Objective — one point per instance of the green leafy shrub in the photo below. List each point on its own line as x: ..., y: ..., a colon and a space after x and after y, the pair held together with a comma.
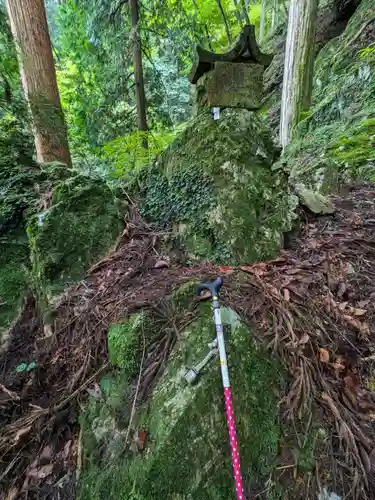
x: 357, y: 148
x: 368, y: 53
x: 128, y: 154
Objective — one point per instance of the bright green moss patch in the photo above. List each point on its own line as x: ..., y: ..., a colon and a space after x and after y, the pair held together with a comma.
x: 125, y: 344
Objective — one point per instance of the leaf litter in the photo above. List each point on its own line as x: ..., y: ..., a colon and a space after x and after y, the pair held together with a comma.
x: 313, y: 307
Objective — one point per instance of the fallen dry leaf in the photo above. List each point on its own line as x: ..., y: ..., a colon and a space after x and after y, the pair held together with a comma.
x: 365, y: 329
x: 338, y: 367
x: 304, y: 339
x: 226, y: 269
x: 323, y: 355
x: 46, y: 453
x: 125, y: 232
x: 353, y: 322
x: 286, y: 294
x: 313, y: 243
x: 363, y: 303
x: 41, y: 472
x: 161, y: 264
x: 139, y: 440
x: 357, y: 311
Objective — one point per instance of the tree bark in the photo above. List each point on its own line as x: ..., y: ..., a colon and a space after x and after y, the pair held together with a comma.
x: 29, y: 27
x: 227, y: 29
x: 138, y: 71
x: 298, y: 67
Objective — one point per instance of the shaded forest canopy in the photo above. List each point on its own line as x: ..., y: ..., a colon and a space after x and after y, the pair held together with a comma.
x: 122, y: 185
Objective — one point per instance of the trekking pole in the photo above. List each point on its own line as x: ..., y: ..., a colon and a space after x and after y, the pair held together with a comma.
x: 214, y: 288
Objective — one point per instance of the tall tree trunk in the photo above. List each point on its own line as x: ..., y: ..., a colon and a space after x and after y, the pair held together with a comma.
x: 138, y: 71
x: 298, y: 67
x: 29, y: 27
x: 227, y: 28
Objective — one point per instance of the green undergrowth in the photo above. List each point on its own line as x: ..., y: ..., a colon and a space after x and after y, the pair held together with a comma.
x: 334, y: 143
x: 14, y: 261
x: 186, y: 454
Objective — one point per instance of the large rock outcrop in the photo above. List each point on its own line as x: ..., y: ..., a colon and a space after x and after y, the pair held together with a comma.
x: 215, y: 186
x: 335, y: 141
x: 80, y: 222
x: 186, y: 454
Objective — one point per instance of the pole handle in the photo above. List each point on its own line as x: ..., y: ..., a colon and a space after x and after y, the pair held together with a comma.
x: 214, y: 287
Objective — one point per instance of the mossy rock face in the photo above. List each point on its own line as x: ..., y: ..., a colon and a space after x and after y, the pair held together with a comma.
x: 334, y: 142
x: 14, y: 259
x: 187, y: 454
x: 124, y: 344
x: 82, y: 223
x: 215, y: 186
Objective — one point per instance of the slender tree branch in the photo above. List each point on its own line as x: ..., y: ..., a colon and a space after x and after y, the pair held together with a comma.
x: 118, y: 7
x: 227, y: 28
x: 244, y: 11
x: 237, y: 12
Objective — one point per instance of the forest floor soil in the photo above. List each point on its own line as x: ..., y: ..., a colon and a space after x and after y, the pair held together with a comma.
x: 313, y: 307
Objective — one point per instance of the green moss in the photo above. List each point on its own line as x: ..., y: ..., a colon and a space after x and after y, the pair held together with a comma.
x: 187, y: 454
x: 214, y: 185
x: 14, y: 257
x: 125, y: 344
x: 80, y: 226
x: 331, y: 144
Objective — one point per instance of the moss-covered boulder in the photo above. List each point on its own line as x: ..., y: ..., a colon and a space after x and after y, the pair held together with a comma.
x: 14, y: 259
x: 81, y: 223
x: 215, y: 186
x: 335, y: 141
x: 186, y: 455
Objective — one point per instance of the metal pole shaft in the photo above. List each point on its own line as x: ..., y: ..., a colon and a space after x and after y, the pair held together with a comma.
x: 228, y: 401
